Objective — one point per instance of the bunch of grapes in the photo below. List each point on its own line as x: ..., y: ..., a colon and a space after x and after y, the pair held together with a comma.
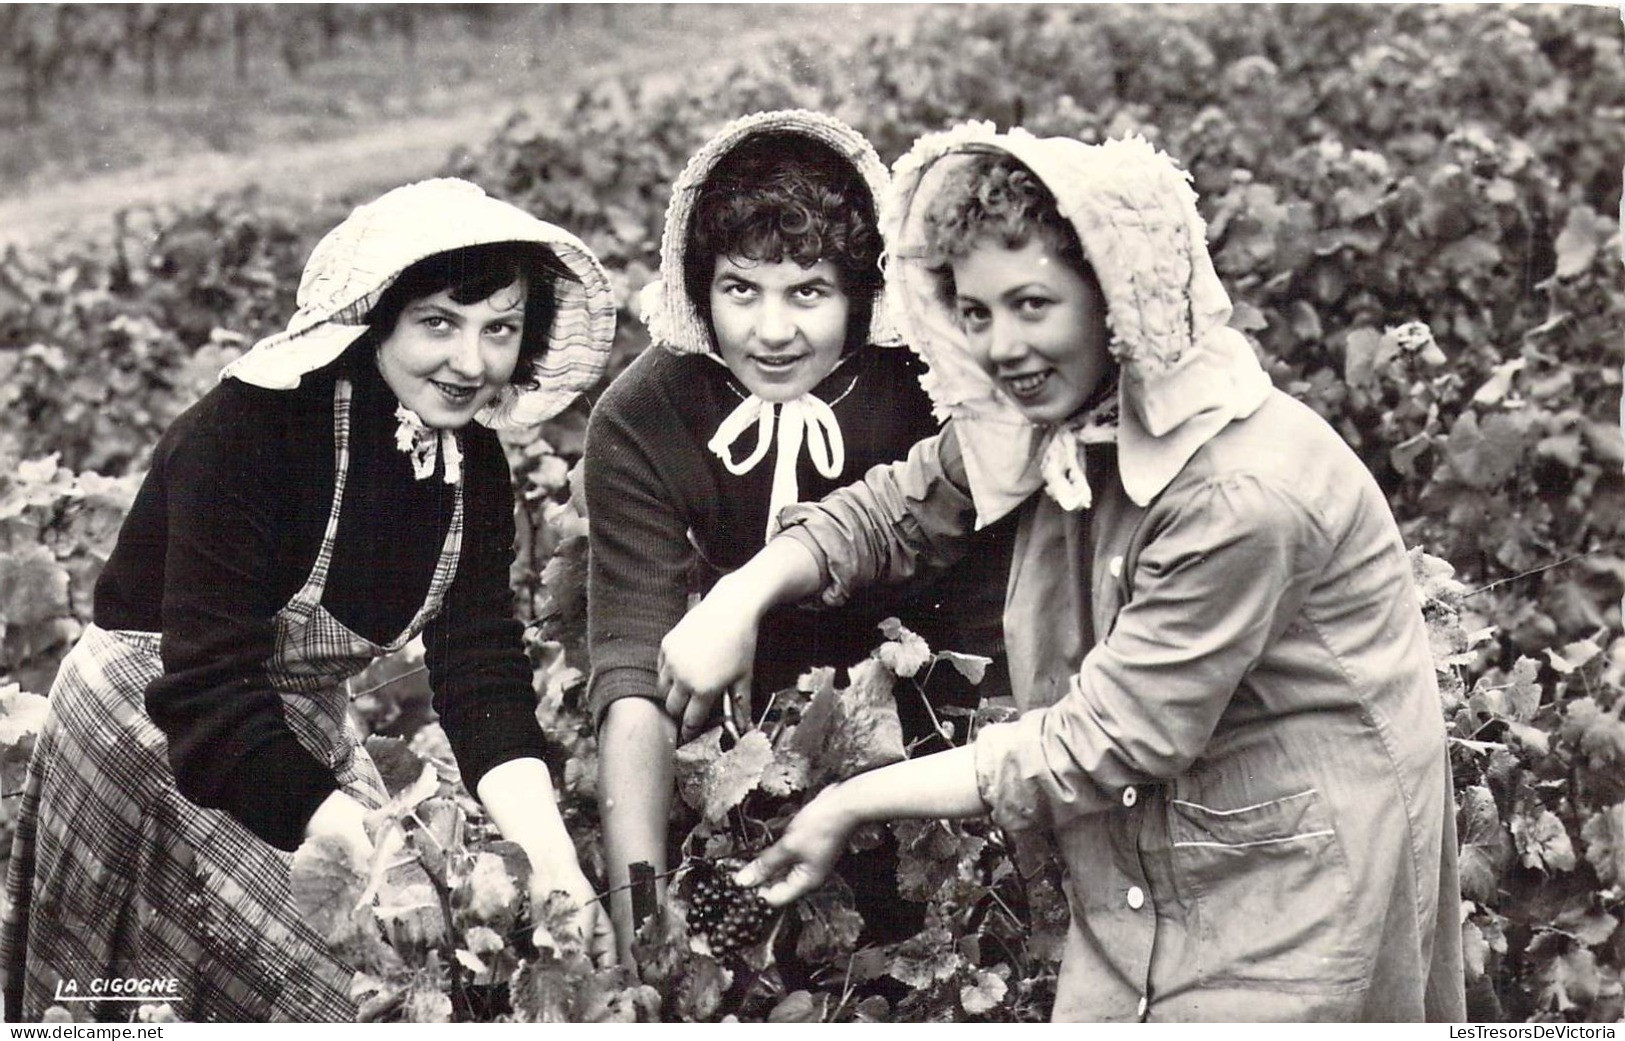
x: 730, y: 916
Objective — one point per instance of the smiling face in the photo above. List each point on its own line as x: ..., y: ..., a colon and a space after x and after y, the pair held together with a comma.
x: 446, y: 361
x: 1036, y: 324
x: 780, y: 327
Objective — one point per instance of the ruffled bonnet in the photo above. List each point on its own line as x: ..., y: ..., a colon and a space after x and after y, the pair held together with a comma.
x: 676, y: 324
x: 1184, y: 373
x: 672, y: 319
x: 354, y: 263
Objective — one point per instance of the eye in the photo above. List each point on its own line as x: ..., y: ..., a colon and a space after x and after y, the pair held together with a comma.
x: 503, y: 330
x: 974, y: 317
x: 810, y: 294
x: 738, y: 290
x: 1033, y: 306
x: 435, y: 323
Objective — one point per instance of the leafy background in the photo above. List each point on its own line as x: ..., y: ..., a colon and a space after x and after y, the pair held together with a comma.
x: 1415, y: 210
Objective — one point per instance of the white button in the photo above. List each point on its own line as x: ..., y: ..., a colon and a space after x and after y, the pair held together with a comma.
x: 1130, y: 796
x: 1145, y: 1004
x: 1136, y: 898
x: 1115, y: 566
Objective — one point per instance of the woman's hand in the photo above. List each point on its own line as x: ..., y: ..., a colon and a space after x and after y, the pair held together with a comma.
x: 707, y: 654
x: 710, y: 651
x: 518, y: 794
x: 591, y: 918
x: 800, y: 861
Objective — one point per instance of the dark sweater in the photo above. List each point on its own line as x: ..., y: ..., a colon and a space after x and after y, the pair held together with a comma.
x: 657, y: 499
x: 225, y: 530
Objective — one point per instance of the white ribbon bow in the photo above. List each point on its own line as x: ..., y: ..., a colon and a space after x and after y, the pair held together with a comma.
x: 804, y: 420
x: 1066, y: 478
x: 419, y: 441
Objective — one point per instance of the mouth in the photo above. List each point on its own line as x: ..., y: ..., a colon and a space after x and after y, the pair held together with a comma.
x: 1027, y: 385
x: 777, y: 363
x: 456, y: 393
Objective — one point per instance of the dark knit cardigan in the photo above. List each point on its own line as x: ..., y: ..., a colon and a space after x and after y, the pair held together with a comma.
x: 666, y: 517
x: 225, y: 530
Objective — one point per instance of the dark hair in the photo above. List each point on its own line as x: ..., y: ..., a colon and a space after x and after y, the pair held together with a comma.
x: 994, y: 196
x: 784, y: 196
x: 470, y: 275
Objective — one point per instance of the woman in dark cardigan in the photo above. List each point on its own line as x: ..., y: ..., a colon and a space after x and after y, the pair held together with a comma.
x: 331, y: 499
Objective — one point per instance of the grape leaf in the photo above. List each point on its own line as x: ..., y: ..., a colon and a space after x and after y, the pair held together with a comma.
x: 327, y: 882
x: 409, y: 798
x: 1365, y: 353
x: 694, y: 762
x: 830, y: 925
x: 925, y: 959
x: 1568, y: 980
x: 736, y: 774
x: 1604, y: 836
x: 612, y: 997
x: 1484, y: 846
x: 798, y: 1006
x: 1574, y: 656
x: 544, y: 991
x: 984, y: 995
x: 1599, y: 734
x: 1499, y: 385
x: 812, y: 733
x: 1483, y: 456
x: 699, y: 993
x: 1589, y: 924
x: 490, y: 890
x: 411, y: 915
x: 1474, y: 950
x: 397, y: 764
x: 1577, y: 244
x: 33, y: 587
x: 971, y: 666
x: 788, y: 772
x: 929, y: 853
x: 1516, y: 696
x: 873, y: 1009
x: 431, y: 744
x: 483, y: 940
x: 903, y: 651
x: 1543, y: 842
x: 21, y: 716
x: 471, y: 961
x: 866, y: 732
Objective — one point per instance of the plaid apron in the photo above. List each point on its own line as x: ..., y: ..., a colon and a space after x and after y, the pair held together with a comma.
x: 116, y: 876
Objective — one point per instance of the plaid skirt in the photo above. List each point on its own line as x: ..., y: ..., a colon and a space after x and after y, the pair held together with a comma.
x: 122, y: 892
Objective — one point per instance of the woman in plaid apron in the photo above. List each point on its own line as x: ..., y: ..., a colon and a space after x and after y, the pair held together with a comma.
x: 326, y: 504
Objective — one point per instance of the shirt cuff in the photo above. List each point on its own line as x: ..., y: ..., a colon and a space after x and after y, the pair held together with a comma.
x: 1010, y: 801
x: 620, y: 681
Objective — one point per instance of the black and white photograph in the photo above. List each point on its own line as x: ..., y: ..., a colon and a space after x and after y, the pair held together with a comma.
x: 812, y: 513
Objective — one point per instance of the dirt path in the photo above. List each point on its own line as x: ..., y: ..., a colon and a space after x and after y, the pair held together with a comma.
x: 315, y: 172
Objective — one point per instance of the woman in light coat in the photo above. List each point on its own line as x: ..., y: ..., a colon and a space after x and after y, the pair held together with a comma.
x: 1231, y: 729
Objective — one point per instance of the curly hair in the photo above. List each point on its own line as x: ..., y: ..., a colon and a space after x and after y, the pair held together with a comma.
x: 994, y: 196
x: 470, y: 275
x: 785, y: 196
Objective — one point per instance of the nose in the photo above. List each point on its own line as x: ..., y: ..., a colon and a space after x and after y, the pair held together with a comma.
x: 775, y: 325
x: 464, y: 359
x: 1005, y: 343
